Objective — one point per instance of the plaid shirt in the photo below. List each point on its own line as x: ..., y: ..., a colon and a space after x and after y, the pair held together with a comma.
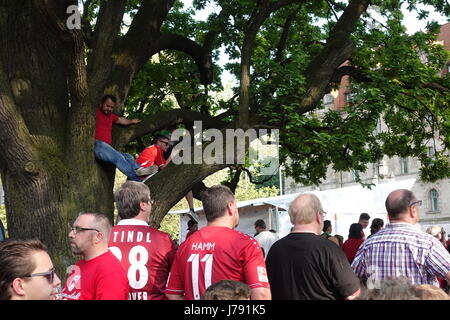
x: 402, y: 250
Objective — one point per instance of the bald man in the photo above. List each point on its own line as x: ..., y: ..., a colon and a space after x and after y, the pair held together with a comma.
x: 306, y: 266
x: 402, y: 249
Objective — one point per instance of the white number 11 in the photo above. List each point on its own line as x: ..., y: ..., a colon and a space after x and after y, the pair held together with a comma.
x: 194, y: 259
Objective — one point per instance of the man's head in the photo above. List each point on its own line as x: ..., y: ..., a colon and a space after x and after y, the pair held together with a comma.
x: 90, y: 234
x: 377, y: 225
x: 306, y: 209
x: 227, y: 290
x: 26, y: 271
x: 162, y: 142
x: 327, y: 227
x: 364, y: 219
x: 402, y: 205
x: 260, y: 225
x: 133, y: 201
x: 192, y: 225
x: 107, y: 103
x: 355, y: 231
x: 219, y: 203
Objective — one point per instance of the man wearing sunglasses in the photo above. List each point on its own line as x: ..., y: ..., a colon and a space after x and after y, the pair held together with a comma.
x: 402, y: 249
x: 153, y: 158
x: 99, y: 275
x: 26, y: 271
x: 103, y: 139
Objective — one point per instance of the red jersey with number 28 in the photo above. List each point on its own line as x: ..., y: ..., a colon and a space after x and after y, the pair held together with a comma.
x: 146, y: 254
x: 212, y: 254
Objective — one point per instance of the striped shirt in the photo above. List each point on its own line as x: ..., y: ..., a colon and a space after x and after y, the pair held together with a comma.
x: 401, y: 249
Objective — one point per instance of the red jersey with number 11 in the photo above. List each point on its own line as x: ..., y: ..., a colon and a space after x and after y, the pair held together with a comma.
x: 146, y: 254
x: 212, y: 254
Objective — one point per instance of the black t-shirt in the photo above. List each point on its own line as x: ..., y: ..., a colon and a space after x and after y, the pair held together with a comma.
x: 305, y: 266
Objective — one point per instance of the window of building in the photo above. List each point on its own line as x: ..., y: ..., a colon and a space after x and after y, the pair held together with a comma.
x: 355, y: 175
x: 378, y: 129
x: 434, y: 200
x: 404, y: 165
x: 348, y: 96
x: 328, y: 100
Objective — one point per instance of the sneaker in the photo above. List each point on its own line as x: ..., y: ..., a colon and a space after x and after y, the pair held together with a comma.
x: 151, y: 170
x: 191, y: 214
x: 145, y: 178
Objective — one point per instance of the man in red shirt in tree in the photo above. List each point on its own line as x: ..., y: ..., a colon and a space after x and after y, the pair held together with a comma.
x: 146, y: 253
x: 103, y: 139
x: 217, y: 252
x: 99, y: 275
x: 152, y: 158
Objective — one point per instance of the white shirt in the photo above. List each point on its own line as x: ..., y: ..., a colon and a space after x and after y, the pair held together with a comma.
x: 266, y: 239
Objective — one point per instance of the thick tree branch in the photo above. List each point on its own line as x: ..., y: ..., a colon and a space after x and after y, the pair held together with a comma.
x: 104, y: 39
x: 338, y: 49
x: 201, y: 56
x: 15, y: 142
x: 164, y: 120
x: 251, y: 31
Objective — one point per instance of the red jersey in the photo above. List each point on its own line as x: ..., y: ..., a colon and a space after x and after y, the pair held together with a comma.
x: 101, y: 278
x: 212, y: 254
x: 351, y: 247
x: 146, y: 254
x: 150, y: 156
x: 103, y: 125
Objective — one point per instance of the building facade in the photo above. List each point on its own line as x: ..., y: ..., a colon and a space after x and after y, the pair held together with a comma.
x: 435, y: 196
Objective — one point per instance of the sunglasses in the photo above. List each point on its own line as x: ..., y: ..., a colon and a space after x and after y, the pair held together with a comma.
x: 50, y: 275
x: 166, y: 143
x: 417, y: 203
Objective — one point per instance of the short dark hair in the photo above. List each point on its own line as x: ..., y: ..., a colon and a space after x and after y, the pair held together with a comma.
x: 215, y: 200
x: 260, y: 223
x: 364, y: 216
x: 16, y: 262
x: 129, y: 197
x: 101, y: 222
x: 377, y: 223
x: 398, y: 201
x: 355, y: 231
x: 326, y: 225
x: 227, y: 290
x: 108, y: 96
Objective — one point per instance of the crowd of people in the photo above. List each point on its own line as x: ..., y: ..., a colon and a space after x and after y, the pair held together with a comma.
x: 133, y: 261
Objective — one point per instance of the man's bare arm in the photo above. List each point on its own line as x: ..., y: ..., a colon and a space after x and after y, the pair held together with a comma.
x: 260, y: 294
x: 126, y: 122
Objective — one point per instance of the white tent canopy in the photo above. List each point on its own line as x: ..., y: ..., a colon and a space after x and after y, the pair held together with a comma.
x: 343, y: 206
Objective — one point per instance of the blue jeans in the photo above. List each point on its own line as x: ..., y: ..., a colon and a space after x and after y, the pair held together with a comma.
x: 123, y: 161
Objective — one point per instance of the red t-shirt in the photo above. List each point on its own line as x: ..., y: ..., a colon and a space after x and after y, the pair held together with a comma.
x: 103, y: 125
x: 150, y: 156
x: 351, y: 247
x: 146, y: 254
x: 212, y: 254
x: 101, y: 278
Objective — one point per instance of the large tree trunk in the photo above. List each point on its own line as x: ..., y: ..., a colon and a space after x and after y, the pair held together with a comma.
x: 48, y: 168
